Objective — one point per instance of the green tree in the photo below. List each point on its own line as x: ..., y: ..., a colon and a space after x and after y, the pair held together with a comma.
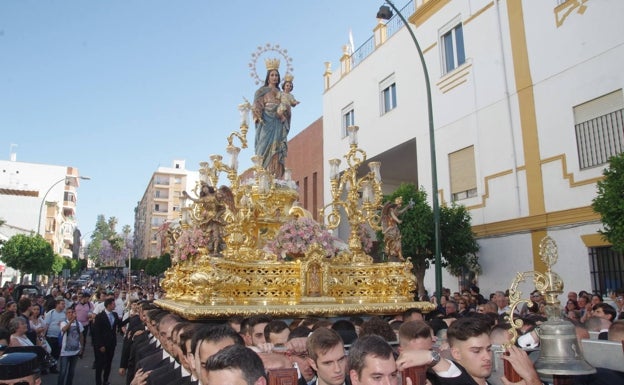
x: 610, y: 202
x: 57, y: 265
x: 157, y: 266
x: 30, y: 254
x: 458, y: 245
x: 71, y: 264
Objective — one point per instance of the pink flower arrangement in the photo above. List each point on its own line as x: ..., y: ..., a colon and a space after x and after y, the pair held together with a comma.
x: 296, y: 236
x: 188, y: 244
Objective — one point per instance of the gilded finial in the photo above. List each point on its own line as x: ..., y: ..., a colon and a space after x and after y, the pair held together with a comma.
x: 548, y: 251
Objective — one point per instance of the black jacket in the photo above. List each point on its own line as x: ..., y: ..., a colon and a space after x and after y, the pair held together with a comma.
x: 103, y: 334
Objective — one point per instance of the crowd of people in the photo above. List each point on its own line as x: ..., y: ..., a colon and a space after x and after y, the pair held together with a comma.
x: 454, y: 341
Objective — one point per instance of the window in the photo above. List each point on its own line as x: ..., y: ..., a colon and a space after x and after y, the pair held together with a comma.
x: 157, y: 193
x: 599, y: 126
x: 348, y: 119
x: 314, y: 194
x: 156, y: 207
x: 388, y: 94
x: 606, y: 269
x: 452, y: 43
x: 305, y: 192
x: 463, y: 174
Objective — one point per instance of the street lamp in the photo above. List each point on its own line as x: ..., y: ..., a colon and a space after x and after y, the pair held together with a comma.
x: 385, y: 13
x: 65, y: 178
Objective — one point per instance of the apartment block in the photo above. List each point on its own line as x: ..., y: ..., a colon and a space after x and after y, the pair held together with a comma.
x: 160, y: 203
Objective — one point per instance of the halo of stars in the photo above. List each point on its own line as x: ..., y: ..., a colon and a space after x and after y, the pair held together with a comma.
x: 268, y: 47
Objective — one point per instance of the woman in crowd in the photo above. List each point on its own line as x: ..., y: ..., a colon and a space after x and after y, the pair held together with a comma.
x: 18, y: 329
x: 38, y: 324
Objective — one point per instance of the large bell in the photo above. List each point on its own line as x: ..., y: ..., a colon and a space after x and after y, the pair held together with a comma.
x: 560, y: 353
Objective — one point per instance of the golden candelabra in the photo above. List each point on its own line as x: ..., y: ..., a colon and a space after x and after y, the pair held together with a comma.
x: 234, y: 272
x: 360, y: 198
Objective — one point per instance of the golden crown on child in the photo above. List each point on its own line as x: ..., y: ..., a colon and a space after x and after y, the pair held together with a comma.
x: 272, y: 64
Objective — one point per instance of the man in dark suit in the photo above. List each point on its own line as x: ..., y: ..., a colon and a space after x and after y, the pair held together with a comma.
x: 104, y: 334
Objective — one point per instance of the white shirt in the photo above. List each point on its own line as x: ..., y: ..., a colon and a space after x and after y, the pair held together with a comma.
x: 99, y: 307
x: 120, y: 307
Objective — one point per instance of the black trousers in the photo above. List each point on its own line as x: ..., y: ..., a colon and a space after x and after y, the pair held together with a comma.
x: 103, y: 363
x: 54, y: 344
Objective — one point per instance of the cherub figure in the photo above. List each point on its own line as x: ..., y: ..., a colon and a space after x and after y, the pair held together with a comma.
x: 213, y: 205
x: 287, y: 100
x: 390, y: 227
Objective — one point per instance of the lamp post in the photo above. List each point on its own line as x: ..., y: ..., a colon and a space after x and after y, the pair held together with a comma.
x: 385, y: 13
x: 65, y: 178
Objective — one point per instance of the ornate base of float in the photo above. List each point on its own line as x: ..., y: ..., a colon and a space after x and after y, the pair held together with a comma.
x: 193, y: 311
x: 218, y: 288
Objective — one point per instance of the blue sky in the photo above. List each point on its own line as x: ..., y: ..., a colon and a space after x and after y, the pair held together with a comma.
x: 117, y: 88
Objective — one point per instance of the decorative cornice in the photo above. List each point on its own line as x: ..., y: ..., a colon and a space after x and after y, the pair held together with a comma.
x: 537, y: 222
x: 426, y: 10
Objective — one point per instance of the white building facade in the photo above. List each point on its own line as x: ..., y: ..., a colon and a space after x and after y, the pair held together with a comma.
x: 527, y: 104
x: 39, y: 199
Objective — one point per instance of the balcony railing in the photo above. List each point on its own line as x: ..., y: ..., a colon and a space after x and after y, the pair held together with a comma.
x: 392, y: 26
x: 599, y: 139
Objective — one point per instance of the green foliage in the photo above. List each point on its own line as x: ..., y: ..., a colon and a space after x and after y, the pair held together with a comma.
x: 417, y: 225
x: 610, y: 202
x: 71, y: 264
x: 459, y: 247
x: 457, y: 242
x: 138, y: 263
x: 157, y: 266
x: 57, y: 265
x: 81, y: 264
x: 30, y: 254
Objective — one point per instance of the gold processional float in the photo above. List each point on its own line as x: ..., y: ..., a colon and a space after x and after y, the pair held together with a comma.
x: 235, y: 273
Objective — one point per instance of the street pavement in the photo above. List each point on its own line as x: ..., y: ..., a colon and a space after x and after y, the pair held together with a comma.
x: 84, y: 374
